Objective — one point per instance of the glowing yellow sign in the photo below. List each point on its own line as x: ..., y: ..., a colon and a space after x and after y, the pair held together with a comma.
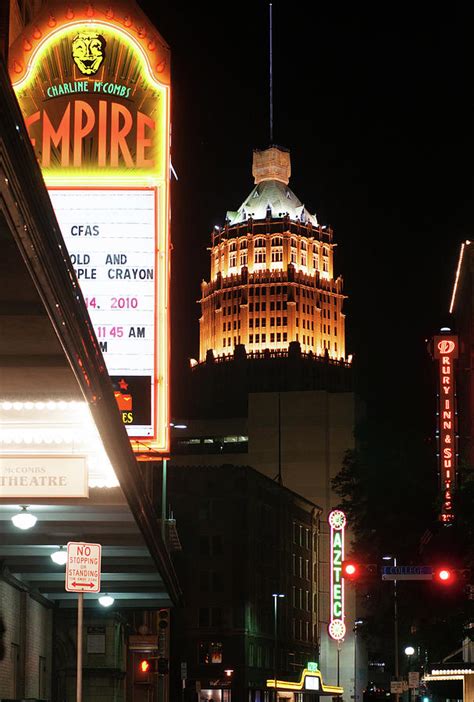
x: 309, y: 680
x: 93, y: 84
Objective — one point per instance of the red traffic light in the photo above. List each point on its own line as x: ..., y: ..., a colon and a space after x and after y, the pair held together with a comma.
x: 445, y: 575
x: 144, y: 666
x: 350, y: 570
x: 142, y: 670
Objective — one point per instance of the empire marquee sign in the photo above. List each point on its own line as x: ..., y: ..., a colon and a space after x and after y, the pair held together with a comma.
x: 93, y: 83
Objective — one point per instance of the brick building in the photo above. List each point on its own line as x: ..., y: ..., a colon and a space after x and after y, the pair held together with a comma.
x: 244, y: 538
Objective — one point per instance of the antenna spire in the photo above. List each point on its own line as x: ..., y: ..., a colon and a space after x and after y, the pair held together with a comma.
x: 271, y: 72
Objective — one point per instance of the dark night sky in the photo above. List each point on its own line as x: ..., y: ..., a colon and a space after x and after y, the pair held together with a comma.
x: 377, y: 111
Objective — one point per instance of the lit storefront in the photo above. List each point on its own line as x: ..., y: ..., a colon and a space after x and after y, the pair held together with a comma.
x: 309, y: 687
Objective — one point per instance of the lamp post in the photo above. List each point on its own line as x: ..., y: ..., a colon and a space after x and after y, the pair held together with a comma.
x: 395, y: 621
x: 276, y: 596
x: 357, y: 623
x: 409, y: 651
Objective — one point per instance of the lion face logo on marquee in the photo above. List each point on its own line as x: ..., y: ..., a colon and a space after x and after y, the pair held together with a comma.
x: 88, y: 50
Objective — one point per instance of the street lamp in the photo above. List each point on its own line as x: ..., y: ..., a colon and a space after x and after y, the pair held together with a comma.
x: 276, y: 596
x: 357, y: 623
x: 395, y: 621
x: 409, y: 651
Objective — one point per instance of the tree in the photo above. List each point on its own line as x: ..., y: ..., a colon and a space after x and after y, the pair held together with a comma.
x: 389, y: 490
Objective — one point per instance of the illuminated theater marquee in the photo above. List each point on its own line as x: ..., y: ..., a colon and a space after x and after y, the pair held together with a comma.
x: 446, y: 351
x: 92, y: 81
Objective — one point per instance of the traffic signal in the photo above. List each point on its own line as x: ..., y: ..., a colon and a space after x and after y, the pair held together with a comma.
x: 445, y: 575
x: 350, y: 570
x: 163, y: 666
x: 143, y: 670
x: 353, y: 570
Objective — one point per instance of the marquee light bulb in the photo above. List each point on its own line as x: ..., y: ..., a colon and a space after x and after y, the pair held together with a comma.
x: 106, y: 600
x: 24, y: 520
x: 59, y: 557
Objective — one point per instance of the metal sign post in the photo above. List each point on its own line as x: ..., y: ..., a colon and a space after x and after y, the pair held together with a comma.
x: 80, y: 618
x: 82, y: 575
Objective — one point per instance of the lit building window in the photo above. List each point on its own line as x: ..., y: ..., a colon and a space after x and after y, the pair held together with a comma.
x: 260, y: 256
x: 243, y: 258
x: 293, y: 251
x: 277, y: 249
x: 210, y: 653
x: 232, y: 260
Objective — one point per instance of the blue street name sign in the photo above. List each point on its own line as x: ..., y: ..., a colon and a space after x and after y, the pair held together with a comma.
x: 407, y: 573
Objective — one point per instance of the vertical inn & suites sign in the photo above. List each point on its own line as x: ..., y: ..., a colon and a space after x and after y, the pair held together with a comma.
x: 93, y: 83
x: 445, y: 351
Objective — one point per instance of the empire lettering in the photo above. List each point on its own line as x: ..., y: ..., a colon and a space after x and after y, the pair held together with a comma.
x: 120, y: 137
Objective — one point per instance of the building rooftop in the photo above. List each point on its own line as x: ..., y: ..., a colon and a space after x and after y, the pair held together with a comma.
x: 271, y: 195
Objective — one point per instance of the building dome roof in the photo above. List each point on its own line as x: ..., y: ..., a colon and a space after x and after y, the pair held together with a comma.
x: 271, y: 195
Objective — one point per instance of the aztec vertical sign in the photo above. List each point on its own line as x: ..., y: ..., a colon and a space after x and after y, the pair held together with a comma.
x: 337, y: 524
x: 445, y: 351
x: 92, y: 80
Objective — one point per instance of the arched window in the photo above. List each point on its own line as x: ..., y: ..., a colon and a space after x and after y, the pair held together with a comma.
x: 277, y: 249
x: 293, y: 250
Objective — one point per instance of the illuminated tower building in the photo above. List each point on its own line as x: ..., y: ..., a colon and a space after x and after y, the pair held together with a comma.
x: 272, y: 277
x: 272, y: 388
